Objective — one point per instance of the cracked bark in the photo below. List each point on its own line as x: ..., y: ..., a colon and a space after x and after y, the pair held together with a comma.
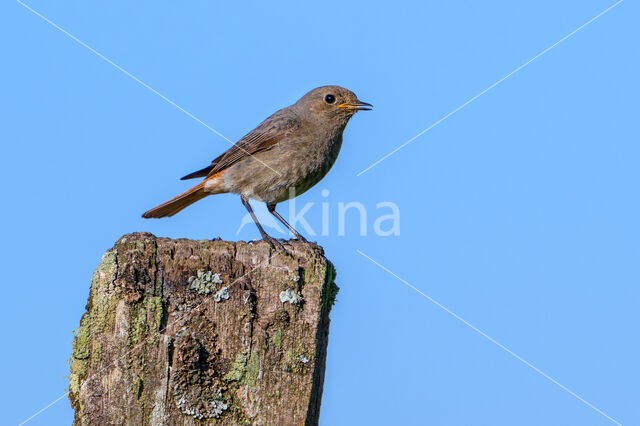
x: 203, y: 332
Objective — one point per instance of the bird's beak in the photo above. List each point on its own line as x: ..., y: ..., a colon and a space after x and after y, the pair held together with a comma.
x: 358, y: 106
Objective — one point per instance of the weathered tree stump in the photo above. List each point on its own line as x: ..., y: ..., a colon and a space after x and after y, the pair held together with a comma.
x: 203, y: 332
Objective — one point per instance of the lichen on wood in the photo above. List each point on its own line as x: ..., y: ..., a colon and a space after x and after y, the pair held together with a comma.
x: 197, y: 332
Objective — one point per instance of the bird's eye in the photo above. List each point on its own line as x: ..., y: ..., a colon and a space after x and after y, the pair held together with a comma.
x: 329, y: 99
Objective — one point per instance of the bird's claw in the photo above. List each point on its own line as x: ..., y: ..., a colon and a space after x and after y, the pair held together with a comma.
x: 275, y: 244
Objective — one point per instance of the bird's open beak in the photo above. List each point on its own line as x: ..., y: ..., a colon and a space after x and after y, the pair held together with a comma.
x: 358, y: 106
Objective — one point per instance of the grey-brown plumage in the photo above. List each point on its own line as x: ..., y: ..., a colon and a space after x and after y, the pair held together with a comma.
x: 283, y: 157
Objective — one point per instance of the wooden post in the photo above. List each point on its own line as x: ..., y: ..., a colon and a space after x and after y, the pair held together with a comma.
x: 203, y: 332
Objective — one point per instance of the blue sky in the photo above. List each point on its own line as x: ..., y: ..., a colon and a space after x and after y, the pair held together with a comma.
x: 519, y: 213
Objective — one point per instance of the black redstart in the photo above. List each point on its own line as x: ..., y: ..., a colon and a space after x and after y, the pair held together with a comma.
x: 284, y: 156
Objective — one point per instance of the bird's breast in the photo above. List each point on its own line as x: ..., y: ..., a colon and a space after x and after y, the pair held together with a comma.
x: 315, y: 161
x: 286, y: 170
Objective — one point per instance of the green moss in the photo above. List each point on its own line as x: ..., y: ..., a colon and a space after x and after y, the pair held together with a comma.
x: 138, y: 387
x: 100, y: 314
x: 237, y: 369
x: 82, y: 336
x: 307, y: 277
x: 330, y: 272
x: 245, y: 369
x: 103, y: 311
x: 278, y: 337
x: 331, y: 289
x: 139, y: 327
x: 157, y: 310
x: 78, y: 370
x: 108, y: 263
x: 253, y: 370
x: 79, y: 361
x: 102, y: 303
x: 330, y: 294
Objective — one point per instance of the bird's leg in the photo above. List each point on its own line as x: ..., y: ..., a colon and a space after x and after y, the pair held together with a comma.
x: 272, y: 242
x: 272, y: 210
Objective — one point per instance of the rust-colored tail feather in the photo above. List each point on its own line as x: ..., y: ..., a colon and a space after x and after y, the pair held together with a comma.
x: 177, y: 203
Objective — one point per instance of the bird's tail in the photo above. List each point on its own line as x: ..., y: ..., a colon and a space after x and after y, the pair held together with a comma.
x: 179, y: 202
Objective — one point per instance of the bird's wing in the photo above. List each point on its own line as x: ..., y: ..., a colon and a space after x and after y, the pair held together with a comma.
x: 268, y: 133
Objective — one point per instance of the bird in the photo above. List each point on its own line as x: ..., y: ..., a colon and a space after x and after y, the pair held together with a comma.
x: 284, y: 156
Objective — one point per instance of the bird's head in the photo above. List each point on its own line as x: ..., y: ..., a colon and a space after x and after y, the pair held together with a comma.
x: 332, y: 102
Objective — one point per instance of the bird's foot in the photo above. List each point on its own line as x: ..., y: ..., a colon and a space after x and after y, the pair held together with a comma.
x: 275, y: 244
